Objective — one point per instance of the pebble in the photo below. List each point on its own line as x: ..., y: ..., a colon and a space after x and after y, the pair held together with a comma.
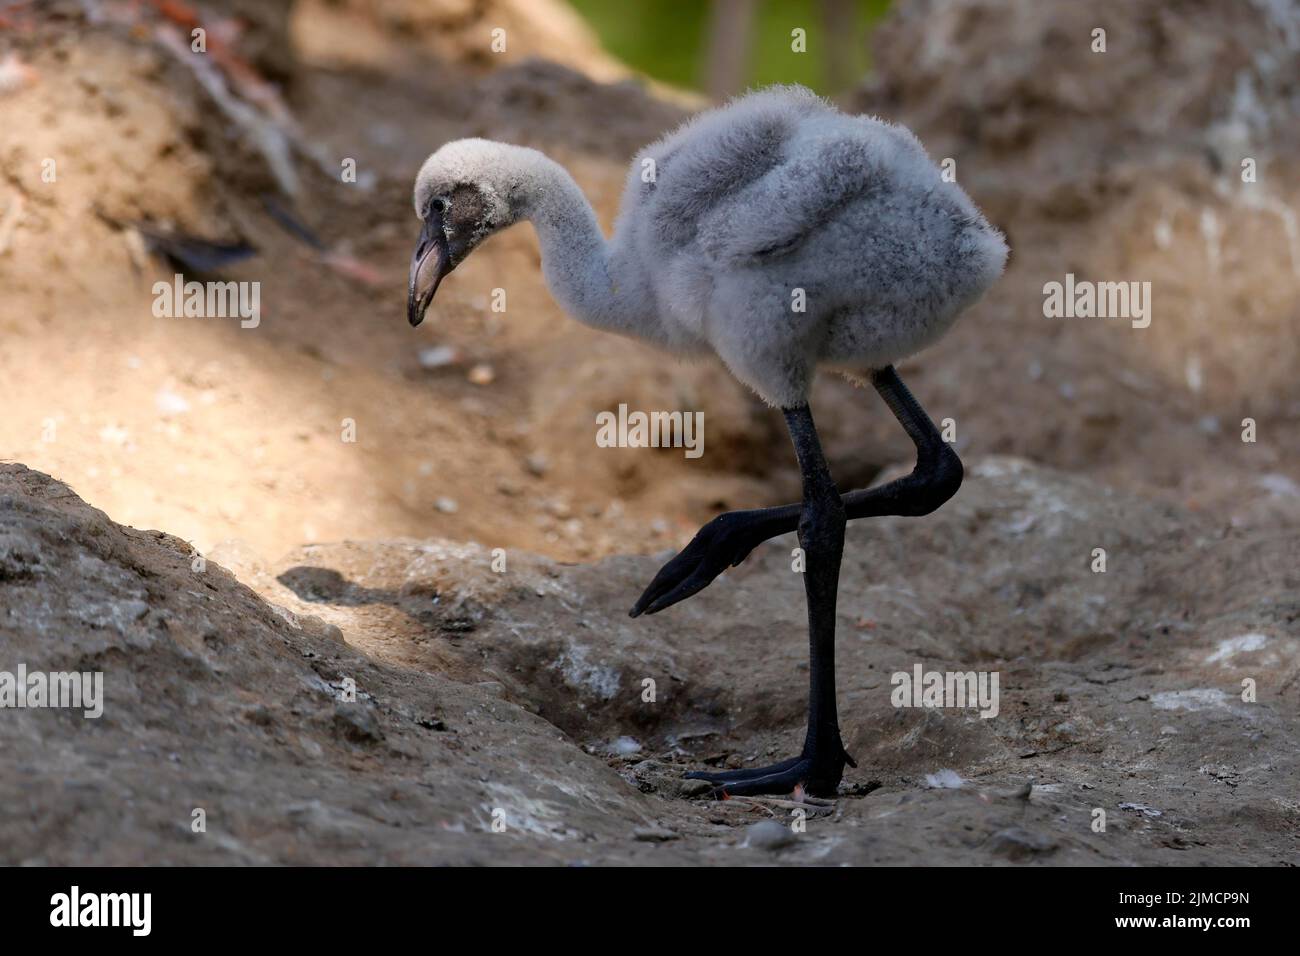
x: 944, y: 780
x: 169, y: 403
x: 482, y: 374
x: 769, y: 835
x: 439, y: 356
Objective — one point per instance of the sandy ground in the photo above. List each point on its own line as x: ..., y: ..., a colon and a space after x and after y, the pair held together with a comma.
x: 519, y: 698
x: 521, y: 691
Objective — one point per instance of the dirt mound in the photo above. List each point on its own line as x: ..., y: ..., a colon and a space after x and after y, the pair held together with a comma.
x: 524, y: 692
x: 1082, y: 115
x: 215, y: 700
x: 479, y: 426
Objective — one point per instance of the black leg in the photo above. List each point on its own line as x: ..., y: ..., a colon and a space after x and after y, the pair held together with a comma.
x: 938, y: 471
x: 728, y: 539
x: 821, y: 536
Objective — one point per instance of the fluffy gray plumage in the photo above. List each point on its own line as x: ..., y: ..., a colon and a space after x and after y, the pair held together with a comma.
x: 739, y: 207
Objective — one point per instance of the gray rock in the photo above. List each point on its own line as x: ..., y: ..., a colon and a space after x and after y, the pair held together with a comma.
x: 769, y: 835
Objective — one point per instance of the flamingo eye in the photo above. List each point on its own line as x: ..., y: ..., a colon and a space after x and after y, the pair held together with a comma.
x: 440, y: 204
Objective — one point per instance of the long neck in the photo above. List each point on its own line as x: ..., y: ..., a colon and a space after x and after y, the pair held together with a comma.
x: 594, y: 281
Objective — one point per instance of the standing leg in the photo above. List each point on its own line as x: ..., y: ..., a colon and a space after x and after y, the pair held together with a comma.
x: 821, y: 536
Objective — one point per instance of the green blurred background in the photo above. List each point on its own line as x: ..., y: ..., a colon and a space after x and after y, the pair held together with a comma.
x: 721, y: 47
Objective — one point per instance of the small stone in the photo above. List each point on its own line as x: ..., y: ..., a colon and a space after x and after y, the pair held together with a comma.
x: 944, y: 780
x: 481, y: 374
x: 438, y: 356
x: 536, y: 465
x: 169, y: 403
x: 447, y: 506
x: 769, y: 835
x: 114, y: 435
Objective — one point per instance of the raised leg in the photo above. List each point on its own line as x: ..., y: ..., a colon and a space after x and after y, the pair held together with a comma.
x: 821, y: 536
x: 729, y: 538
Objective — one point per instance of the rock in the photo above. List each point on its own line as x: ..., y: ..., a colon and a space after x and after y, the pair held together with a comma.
x: 769, y: 835
x: 438, y: 356
x: 481, y: 374
x: 944, y: 779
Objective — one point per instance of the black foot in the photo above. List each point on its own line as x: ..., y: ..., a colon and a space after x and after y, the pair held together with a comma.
x: 722, y: 543
x: 820, y: 778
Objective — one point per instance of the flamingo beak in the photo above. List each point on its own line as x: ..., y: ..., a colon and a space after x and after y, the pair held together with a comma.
x: 430, y: 262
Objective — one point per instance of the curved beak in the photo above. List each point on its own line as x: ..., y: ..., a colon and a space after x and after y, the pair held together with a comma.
x: 430, y: 262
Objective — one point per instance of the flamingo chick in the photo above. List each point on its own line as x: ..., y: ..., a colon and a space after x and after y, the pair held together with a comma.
x: 780, y: 235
